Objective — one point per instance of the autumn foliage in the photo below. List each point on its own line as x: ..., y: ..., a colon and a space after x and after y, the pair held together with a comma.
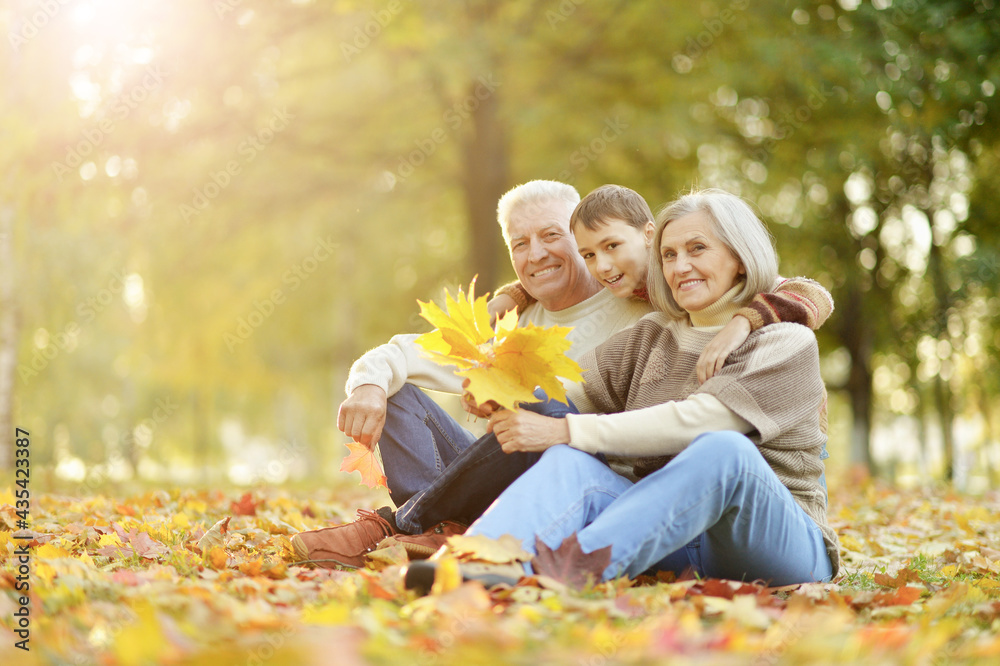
x: 503, y: 363
x: 198, y: 577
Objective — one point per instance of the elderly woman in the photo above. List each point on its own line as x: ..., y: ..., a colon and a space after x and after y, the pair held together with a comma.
x: 740, y: 495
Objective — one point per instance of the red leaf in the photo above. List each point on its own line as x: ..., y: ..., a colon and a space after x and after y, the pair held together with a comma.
x: 713, y: 587
x: 145, y: 546
x: 568, y: 564
x: 246, y: 506
x: 904, y: 596
x: 113, y: 552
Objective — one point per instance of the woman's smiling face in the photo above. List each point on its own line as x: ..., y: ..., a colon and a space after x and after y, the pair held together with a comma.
x: 698, y: 268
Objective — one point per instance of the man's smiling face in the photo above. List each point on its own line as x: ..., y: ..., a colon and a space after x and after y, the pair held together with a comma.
x: 545, y: 257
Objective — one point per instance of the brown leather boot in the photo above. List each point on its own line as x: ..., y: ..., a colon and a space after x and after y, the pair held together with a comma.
x: 345, y: 545
x: 422, y: 546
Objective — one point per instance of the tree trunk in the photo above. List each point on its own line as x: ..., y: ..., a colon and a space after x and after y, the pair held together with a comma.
x: 921, y: 417
x: 485, y: 180
x: 8, y: 337
x: 856, y: 334
x: 985, y: 403
x: 942, y: 389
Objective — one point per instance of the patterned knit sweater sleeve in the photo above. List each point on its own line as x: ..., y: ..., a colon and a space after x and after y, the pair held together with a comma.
x: 797, y: 300
x: 518, y: 293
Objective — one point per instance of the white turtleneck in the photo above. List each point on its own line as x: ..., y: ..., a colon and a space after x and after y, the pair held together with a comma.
x: 664, y: 429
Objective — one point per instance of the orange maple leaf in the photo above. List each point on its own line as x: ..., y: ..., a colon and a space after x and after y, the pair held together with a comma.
x: 503, y: 364
x: 363, y: 460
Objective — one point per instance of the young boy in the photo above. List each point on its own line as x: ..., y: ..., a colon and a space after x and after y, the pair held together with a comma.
x: 613, y: 227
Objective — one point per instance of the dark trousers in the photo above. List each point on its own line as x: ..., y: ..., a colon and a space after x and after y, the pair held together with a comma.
x: 476, y: 477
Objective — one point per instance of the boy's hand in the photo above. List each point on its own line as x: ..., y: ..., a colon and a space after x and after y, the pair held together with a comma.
x: 498, y: 305
x: 483, y: 411
x: 714, y: 356
x: 362, y: 416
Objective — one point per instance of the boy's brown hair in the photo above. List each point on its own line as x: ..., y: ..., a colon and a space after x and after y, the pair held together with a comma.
x: 611, y: 202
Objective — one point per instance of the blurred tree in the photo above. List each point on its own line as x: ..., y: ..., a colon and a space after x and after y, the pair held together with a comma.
x: 221, y: 205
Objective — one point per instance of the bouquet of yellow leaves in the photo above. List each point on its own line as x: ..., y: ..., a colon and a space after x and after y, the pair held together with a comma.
x: 502, y: 363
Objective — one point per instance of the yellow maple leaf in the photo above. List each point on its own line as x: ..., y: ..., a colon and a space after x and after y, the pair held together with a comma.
x: 51, y: 551
x: 217, y: 557
x: 503, y: 363
x: 109, y: 539
x: 252, y: 567
x: 363, y: 460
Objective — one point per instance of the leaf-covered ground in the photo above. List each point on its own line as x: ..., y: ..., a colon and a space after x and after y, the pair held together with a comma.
x: 120, y: 580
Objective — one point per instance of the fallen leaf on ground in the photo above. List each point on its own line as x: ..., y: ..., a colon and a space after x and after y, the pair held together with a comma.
x: 216, y: 536
x: 504, y: 550
x: 901, y: 578
x: 568, y: 563
x: 246, y: 506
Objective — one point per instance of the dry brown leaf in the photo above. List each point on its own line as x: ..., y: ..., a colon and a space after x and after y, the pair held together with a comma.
x: 390, y: 552
x: 504, y: 550
x: 216, y: 536
x: 569, y: 564
x: 902, y: 577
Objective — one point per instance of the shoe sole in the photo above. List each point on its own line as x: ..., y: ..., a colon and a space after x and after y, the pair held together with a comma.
x: 302, y: 552
x: 418, y: 552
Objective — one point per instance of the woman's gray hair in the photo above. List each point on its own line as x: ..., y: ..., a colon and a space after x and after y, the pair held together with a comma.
x: 739, y: 229
x: 533, y: 192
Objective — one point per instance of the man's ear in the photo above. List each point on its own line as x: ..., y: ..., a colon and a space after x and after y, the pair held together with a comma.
x: 649, y: 231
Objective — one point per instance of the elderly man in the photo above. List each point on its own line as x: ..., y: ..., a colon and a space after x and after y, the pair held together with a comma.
x: 419, y: 442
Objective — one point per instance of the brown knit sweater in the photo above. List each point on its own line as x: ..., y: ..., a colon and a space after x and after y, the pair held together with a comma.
x: 772, y: 381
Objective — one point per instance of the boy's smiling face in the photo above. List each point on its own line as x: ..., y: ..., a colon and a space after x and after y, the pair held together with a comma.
x: 616, y: 254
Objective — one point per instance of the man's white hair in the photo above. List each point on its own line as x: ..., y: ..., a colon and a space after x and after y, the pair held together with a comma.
x: 533, y: 192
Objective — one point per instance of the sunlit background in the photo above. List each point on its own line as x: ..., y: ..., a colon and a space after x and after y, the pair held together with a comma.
x: 208, y: 209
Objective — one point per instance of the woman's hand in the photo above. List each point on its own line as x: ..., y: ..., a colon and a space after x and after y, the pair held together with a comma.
x: 714, y: 355
x: 521, y: 430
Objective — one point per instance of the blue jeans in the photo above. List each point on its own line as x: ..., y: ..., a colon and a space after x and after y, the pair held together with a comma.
x: 717, y: 507
x: 419, y: 440
x: 434, y: 469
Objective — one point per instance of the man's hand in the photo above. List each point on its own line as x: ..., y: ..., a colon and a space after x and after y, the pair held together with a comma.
x: 362, y: 416
x: 714, y: 355
x: 469, y: 404
x: 498, y: 305
x: 521, y: 430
